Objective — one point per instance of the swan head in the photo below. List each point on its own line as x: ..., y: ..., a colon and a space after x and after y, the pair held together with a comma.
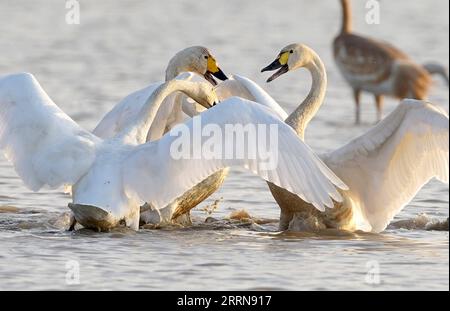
x: 195, y: 59
x: 203, y: 93
x: 291, y: 57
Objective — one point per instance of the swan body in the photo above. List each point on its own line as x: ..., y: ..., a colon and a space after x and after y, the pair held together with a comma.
x: 384, y: 168
x: 193, y: 60
x: 112, y: 178
x: 379, y: 68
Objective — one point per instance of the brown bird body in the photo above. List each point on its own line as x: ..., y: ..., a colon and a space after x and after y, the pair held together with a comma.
x: 378, y: 67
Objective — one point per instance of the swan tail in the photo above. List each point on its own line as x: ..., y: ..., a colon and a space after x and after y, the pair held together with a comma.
x: 93, y: 217
x: 437, y: 69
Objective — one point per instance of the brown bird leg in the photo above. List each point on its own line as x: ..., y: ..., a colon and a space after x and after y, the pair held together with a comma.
x: 380, y: 103
x: 357, y: 96
x: 285, y: 218
x: 73, y: 223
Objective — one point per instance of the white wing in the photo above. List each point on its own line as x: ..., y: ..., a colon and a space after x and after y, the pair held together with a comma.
x: 190, y: 108
x: 45, y: 145
x: 386, y: 167
x: 126, y: 111
x: 156, y: 176
x: 245, y: 88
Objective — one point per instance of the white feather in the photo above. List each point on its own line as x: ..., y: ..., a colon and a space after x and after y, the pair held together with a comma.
x: 387, y: 166
x: 46, y: 147
x: 115, y: 176
x: 155, y: 177
x: 245, y: 88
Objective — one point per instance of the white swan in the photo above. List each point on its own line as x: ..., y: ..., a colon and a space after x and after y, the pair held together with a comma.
x: 198, y: 60
x: 111, y: 178
x: 384, y: 168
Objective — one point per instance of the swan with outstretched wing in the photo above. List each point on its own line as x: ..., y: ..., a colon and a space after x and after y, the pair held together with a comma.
x: 112, y: 178
x: 196, y: 61
x: 384, y: 168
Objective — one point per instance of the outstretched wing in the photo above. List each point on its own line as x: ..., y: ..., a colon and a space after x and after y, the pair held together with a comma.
x: 245, y: 88
x: 157, y: 174
x: 45, y: 145
x: 386, y: 167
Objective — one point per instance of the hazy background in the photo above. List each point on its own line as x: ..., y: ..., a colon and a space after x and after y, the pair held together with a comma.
x: 122, y: 45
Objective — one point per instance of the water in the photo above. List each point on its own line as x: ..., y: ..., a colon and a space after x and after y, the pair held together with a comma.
x: 120, y: 47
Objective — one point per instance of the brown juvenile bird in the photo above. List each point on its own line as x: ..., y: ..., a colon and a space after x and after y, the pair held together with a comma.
x: 379, y: 68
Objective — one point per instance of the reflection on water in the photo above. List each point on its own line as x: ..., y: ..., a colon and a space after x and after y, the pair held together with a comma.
x: 120, y: 48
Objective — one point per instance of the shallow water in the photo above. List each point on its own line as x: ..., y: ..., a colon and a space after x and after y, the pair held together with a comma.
x: 119, y: 48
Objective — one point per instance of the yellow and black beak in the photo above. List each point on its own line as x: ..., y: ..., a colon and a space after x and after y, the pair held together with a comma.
x: 214, y: 70
x: 280, y: 63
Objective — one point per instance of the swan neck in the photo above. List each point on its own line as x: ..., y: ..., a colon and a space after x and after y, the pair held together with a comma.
x: 150, y: 108
x: 301, y: 117
x: 346, y: 17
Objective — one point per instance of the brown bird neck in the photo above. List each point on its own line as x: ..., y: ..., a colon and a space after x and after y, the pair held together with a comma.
x: 346, y: 17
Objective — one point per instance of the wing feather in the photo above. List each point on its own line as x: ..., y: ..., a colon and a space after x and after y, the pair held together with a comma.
x: 154, y: 176
x: 386, y: 167
x: 45, y: 145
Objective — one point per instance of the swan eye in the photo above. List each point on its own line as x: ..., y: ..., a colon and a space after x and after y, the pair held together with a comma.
x: 206, y: 56
x: 291, y: 51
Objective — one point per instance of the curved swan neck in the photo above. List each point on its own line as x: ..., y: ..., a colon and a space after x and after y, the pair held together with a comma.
x: 346, y: 17
x: 301, y: 117
x: 150, y: 108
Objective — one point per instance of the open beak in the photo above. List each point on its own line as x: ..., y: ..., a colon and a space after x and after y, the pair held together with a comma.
x: 206, y: 105
x: 219, y: 74
x: 276, y: 64
x: 214, y: 70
